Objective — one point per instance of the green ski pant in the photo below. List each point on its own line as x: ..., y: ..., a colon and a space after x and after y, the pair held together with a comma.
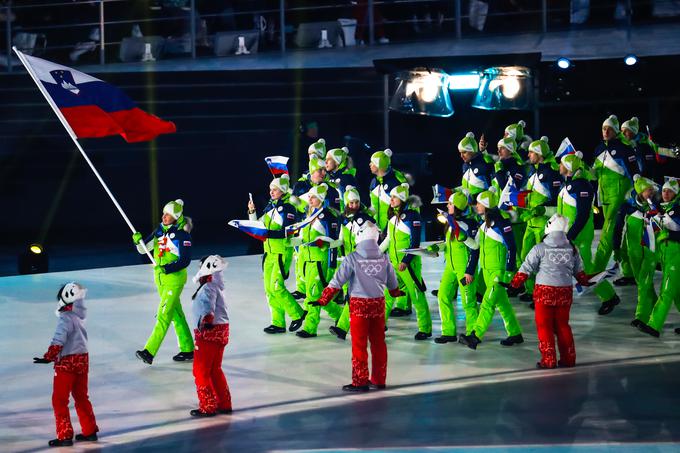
x: 670, y: 285
x: 643, y: 262
x: 316, y: 273
x: 411, y: 282
x: 281, y: 302
x: 448, y: 289
x: 495, y: 297
x: 170, y: 310
x: 532, y: 235
x: 518, y: 230
x: 299, y: 274
x: 610, y: 209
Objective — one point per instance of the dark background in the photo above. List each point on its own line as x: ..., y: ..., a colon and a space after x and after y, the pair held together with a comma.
x: 229, y: 121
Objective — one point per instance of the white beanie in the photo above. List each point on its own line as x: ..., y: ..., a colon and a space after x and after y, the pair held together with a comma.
x: 174, y: 208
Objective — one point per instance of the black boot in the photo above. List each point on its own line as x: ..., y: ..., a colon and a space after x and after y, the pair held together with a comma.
x: 297, y: 295
x: 526, y: 297
x: 649, y: 330
x: 200, y: 413
x: 225, y: 411
x: 471, y: 341
x: 373, y: 386
x: 184, y: 357
x: 636, y: 323
x: 677, y: 331
x: 608, y: 305
x: 295, y: 325
x: 512, y: 340
x: 434, y: 292
x: 355, y: 388
x: 274, y: 329
x: 422, y: 336
x: 399, y: 313
x: 83, y: 438
x: 145, y: 356
x: 60, y: 442
x: 338, y: 332
x: 624, y: 281
x: 304, y: 334
x: 446, y: 339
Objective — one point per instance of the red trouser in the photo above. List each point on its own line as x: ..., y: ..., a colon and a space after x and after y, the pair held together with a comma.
x: 552, y: 318
x: 65, y: 384
x: 211, y: 384
x: 367, y: 322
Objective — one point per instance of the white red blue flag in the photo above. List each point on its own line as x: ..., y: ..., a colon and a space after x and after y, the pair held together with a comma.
x: 441, y: 194
x: 565, y: 148
x: 511, y: 196
x: 92, y: 107
x: 278, y: 165
x: 253, y: 228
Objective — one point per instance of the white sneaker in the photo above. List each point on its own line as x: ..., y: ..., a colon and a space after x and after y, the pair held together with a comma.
x: 383, y: 40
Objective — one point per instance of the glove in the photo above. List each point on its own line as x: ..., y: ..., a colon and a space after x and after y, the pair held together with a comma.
x: 396, y: 292
x: 538, y: 211
x: 433, y: 248
x: 513, y: 292
x: 40, y: 360
x: 136, y: 237
x: 507, y: 277
x: 206, y: 323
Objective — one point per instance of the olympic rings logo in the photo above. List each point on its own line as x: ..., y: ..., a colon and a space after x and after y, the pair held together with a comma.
x: 559, y: 258
x: 371, y: 269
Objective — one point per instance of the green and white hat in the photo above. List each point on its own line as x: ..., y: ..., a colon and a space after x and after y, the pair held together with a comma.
x: 516, y: 131
x: 319, y: 192
x: 612, y: 122
x: 382, y: 159
x: 540, y: 147
x: 632, y: 125
x: 339, y: 155
x: 316, y: 163
x: 572, y: 162
x: 351, y: 194
x: 459, y: 200
x: 508, y: 143
x: 318, y: 149
x: 174, y: 208
x: 468, y: 144
x: 282, y: 183
x: 401, y: 191
x: 488, y: 198
x: 672, y: 184
x: 641, y: 184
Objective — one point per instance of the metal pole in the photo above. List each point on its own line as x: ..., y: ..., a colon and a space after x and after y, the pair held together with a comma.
x: 371, y: 25
x: 73, y: 136
x: 8, y: 34
x: 459, y: 20
x: 192, y: 17
x: 386, y: 110
x: 282, y: 20
x: 102, y: 47
x: 544, y: 16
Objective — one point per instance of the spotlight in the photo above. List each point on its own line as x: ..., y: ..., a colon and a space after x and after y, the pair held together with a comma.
x: 563, y: 63
x: 504, y: 88
x: 33, y: 260
x: 630, y: 60
x: 422, y: 92
x: 464, y: 81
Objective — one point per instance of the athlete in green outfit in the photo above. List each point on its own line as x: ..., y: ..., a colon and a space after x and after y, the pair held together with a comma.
x: 668, y: 242
x: 171, y: 244
x: 460, y: 249
x: 403, y: 232
x: 497, y: 261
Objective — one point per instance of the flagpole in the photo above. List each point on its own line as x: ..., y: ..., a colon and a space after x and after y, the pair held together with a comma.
x: 73, y: 136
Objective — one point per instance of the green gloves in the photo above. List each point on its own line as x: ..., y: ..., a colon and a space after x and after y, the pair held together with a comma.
x: 137, y: 237
x: 433, y: 248
x: 538, y: 211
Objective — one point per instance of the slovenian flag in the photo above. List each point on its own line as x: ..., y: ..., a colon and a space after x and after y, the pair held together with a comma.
x: 292, y: 230
x: 511, y: 196
x: 253, y: 228
x: 441, y: 194
x: 91, y: 107
x: 278, y: 165
x: 648, y: 239
x: 565, y: 148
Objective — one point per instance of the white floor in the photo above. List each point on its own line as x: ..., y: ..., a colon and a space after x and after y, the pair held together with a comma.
x: 269, y: 375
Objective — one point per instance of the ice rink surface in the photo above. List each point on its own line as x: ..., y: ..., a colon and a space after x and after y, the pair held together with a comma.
x: 624, y: 394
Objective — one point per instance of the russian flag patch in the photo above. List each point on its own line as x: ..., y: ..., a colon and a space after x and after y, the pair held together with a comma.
x: 507, y: 229
x: 290, y: 216
x: 416, y: 223
x: 186, y: 243
x: 583, y: 194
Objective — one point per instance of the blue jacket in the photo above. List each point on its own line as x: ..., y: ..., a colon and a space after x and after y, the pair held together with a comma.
x: 510, y: 168
x: 582, y: 191
x: 622, y: 154
x: 178, y: 241
x: 550, y: 178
